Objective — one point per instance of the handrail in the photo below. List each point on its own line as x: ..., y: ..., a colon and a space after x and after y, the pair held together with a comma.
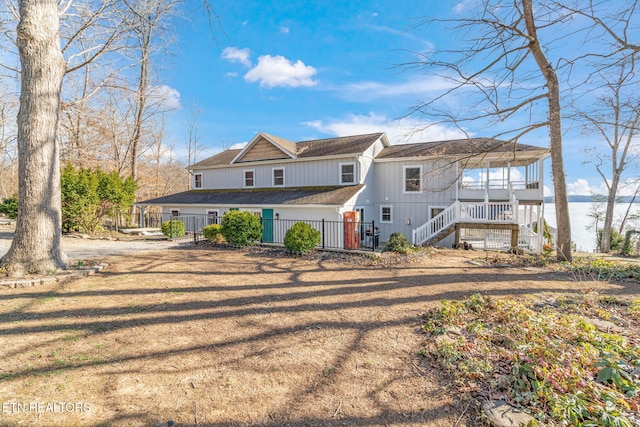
x: 469, y: 212
x: 436, y: 224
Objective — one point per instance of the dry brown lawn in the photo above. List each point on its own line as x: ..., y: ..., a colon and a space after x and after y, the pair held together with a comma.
x: 219, y: 337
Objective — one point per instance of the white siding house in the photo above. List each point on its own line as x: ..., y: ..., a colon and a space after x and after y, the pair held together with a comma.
x: 433, y: 192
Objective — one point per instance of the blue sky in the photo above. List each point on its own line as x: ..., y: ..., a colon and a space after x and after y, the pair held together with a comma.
x: 317, y: 69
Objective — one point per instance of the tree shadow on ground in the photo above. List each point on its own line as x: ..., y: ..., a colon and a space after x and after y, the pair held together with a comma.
x: 310, y: 324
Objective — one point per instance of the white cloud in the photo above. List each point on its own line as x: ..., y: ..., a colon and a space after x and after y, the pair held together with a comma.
x: 238, y: 146
x: 420, y: 88
x: 235, y: 55
x: 164, y: 98
x: 463, y: 6
x: 284, y: 30
x: 399, y: 131
x: 580, y: 188
x: 274, y: 71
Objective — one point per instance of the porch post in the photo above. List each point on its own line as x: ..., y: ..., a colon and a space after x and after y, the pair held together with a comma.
x: 486, y: 184
x: 514, y: 237
x: 141, y: 223
x: 512, y: 195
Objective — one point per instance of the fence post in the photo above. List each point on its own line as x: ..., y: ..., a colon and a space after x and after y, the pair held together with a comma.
x: 171, y: 229
x: 374, y: 235
x: 323, y: 233
x: 261, y: 228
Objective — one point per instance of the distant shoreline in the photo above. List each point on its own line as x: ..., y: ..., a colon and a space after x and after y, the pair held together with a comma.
x: 591, y: 199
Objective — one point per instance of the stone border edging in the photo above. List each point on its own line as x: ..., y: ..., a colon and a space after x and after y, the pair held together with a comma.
x: 63, y: 278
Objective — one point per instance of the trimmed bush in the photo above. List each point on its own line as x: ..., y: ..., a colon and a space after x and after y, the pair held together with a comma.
x: 398, y: 243
x: 301, y: 238
x: 9, y: 207
x: 241, y: 228
x: 213, y: 233
x: 173, y: 228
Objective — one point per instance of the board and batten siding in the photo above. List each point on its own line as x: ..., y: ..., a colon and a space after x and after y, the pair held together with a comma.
x: 263, y: 150
x: 411, y: 210
x: 314, y: 173
x: 367, y: 198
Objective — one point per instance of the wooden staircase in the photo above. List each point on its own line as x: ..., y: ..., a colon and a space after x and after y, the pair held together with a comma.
x: 440, y: 235
x: 480, y: 214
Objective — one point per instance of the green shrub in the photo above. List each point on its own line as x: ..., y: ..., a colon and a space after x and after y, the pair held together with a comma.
x: 616, y: 242
x: 241, y: 228
x: 301, y: 238
x: 89, y: 195
x: 173, y: 228
x: 398, y: 243
x: 213, y: 233
x: 9, y: 207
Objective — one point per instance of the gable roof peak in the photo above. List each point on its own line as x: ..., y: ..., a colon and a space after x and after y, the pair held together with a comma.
x: 275, y: 148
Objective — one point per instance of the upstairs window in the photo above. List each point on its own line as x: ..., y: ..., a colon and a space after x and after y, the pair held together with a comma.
x: 278, y: 177
x: 412, y: 179
x: 197, y: 180
x: 249, y: 180
x: 347, y: 173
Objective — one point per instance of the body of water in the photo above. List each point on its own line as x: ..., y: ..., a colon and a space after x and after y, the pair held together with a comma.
x: 581, y: 234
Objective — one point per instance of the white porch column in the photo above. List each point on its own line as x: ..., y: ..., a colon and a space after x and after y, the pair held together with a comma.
x: 141, y: 223
x: 486, y: 183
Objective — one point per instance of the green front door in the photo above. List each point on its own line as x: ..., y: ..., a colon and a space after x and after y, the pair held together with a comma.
x: 267, y: 225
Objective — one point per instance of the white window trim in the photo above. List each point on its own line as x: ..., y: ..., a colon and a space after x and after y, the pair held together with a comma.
x: 390, y: 214
x: 431, y: 208
x: 195, y: 180
x: 217, y: 212
x: 355, y: 177
x: 273, y: 177
x: 404, y: 179
x: 244, y: 178
x: 172, y: 210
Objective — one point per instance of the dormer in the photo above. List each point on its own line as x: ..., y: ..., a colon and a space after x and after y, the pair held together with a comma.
x: 266, y: 147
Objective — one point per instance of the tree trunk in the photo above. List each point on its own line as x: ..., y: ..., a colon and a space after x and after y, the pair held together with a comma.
x: 36, y: 246
x: 605, y: 240
x: 555, y: 135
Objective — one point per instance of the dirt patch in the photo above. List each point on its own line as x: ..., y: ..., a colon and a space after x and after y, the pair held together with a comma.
x: 208, y: 336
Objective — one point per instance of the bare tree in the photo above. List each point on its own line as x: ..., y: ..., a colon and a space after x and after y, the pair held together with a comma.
x: 36, y: 246
x: 615, y: 118
x: 504, y: 67
x: 597, y: 214
x: 193, y: 139
x: 146, y: 20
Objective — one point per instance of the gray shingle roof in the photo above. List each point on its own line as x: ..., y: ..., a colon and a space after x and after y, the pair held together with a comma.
x: 304, y: 149
x: 223, y: 158
x: 335, y: 146
x: 331, y: 196
x: 458, y: 147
